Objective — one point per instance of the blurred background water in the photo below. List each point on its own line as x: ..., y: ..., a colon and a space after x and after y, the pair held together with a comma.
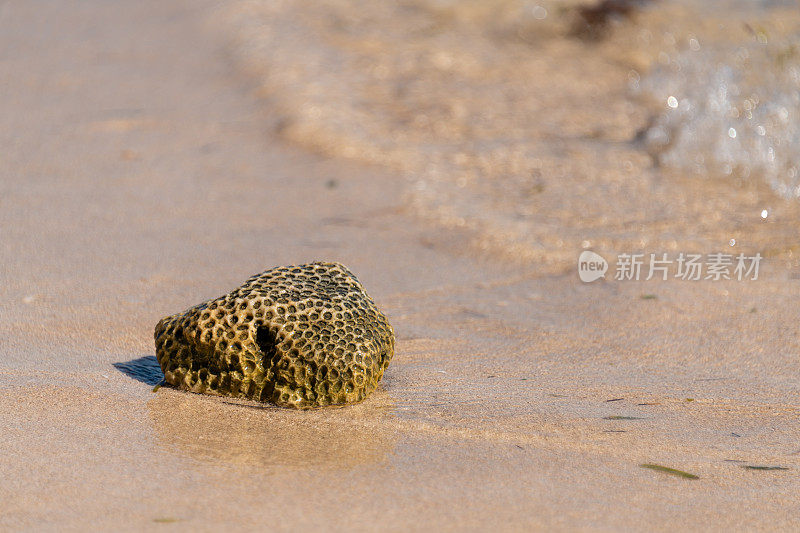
x: 539, y: 128
x: 731, y: 86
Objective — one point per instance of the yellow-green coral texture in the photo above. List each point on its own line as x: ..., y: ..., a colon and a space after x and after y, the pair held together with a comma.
x: 300, y: 336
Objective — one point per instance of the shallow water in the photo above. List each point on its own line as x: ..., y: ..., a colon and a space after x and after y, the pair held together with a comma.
x: 671, y: 129
x: 729, y: 88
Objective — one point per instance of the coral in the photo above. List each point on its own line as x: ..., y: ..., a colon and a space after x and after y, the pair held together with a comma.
x: 300, y: 336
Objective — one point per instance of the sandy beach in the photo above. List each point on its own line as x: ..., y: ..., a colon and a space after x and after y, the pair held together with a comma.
x: 144, y: 170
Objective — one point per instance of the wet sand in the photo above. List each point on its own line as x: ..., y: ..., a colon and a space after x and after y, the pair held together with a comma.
x: 141, y: 176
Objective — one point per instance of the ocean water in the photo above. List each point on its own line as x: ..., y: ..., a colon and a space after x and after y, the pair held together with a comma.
x: 730, y: 94
x: 537, y: 130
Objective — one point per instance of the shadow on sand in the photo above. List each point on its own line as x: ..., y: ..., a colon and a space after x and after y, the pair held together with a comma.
x: 144, y: 369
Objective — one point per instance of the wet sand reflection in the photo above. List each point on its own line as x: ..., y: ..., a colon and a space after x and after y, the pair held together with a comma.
x: 230, y: 431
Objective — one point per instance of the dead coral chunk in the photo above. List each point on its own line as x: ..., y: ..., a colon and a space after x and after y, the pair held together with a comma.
x: 300, y: 336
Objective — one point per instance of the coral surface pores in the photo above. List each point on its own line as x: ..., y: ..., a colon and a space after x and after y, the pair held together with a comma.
x: 300, y: 336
